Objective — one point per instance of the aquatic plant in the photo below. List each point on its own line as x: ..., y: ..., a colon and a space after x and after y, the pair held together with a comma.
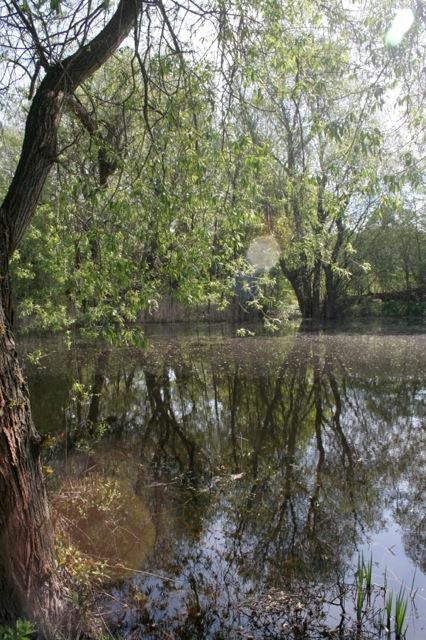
x: 360, y: 591
x: 368, y: 574
x: 82, y: 571
x: 383, y: 615
x: 388, y: 608
x: 364, y: 576
x: 413, y: 591
x: 400, y: 613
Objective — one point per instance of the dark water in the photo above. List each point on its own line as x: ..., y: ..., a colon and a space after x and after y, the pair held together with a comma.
x: 232, y: 483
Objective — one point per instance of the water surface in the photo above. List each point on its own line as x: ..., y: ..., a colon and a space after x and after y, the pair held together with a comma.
x: 229, y: 481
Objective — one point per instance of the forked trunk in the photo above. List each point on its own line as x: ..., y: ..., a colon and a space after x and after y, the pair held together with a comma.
x: 300, y: 280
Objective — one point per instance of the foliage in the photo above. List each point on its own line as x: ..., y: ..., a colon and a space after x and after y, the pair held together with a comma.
x: 174, y: 217
x: 373, y: 307
x: 394, y: 244
x: 169, y: 167
x: 400, y: 613
x: 23, y: 630
x: 315, y: 100
x: 82, y: 572
x: 108, y: 524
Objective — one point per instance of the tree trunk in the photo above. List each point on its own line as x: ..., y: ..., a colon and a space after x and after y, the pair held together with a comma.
x: 331, y: 278
x: 331, y: 294
x: 29, y: 585
x: 316, y: 290
x: 300, y: 280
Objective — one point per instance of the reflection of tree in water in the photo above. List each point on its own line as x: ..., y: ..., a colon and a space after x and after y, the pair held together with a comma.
x: 258, y: 473
x: 391, y: 407
x: 411, y: 516
x: 302, y: 510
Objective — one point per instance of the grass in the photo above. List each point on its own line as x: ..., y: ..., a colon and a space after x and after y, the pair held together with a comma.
x: 413, y: 591
x: 368, y: 575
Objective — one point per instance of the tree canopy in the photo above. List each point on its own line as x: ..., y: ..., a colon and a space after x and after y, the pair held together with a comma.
x: 211, y: 125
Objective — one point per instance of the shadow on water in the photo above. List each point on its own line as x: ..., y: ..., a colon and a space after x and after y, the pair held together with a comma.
x: 242, y: 475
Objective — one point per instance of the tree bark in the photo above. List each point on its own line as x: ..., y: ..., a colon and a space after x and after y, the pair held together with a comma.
x: 316, y: 290
x: 331, y: 294
x: 29, y: 585
x: 300, y: 280
x: 331, y: 279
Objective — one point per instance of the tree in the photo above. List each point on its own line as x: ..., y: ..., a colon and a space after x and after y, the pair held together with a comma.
x: 315, y: 99
x: 28, y: 583
x: 394, y: 245
x: 322, y: 153
x: 97, y: 254
x: 51, y: 49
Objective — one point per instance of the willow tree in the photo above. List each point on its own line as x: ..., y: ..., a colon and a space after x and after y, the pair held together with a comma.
x: 316, y: 89
x: 101, y: 250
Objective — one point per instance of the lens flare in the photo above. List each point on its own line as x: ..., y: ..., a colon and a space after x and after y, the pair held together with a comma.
x: 263, y: 253
x: 401, y: 24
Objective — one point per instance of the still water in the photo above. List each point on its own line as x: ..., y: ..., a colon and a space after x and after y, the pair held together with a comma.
x: 230, y: 485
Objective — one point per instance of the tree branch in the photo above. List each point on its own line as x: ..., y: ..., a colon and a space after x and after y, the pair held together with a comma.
x: 39, y: 149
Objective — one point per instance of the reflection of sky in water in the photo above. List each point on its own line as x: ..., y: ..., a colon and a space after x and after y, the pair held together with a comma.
x: 389, y: 557
x: 220, y: 438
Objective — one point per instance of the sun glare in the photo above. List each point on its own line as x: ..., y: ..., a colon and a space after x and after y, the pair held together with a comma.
x: 263, y: 253
x: 401, y: 24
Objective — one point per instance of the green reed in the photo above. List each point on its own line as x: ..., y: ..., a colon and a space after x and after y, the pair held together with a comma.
x: 400, y: 613
x: 388, y: 608
x: 360, y: 591
x: 368, y: 575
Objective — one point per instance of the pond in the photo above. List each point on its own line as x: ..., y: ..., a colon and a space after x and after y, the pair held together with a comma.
x: 231, y: 485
